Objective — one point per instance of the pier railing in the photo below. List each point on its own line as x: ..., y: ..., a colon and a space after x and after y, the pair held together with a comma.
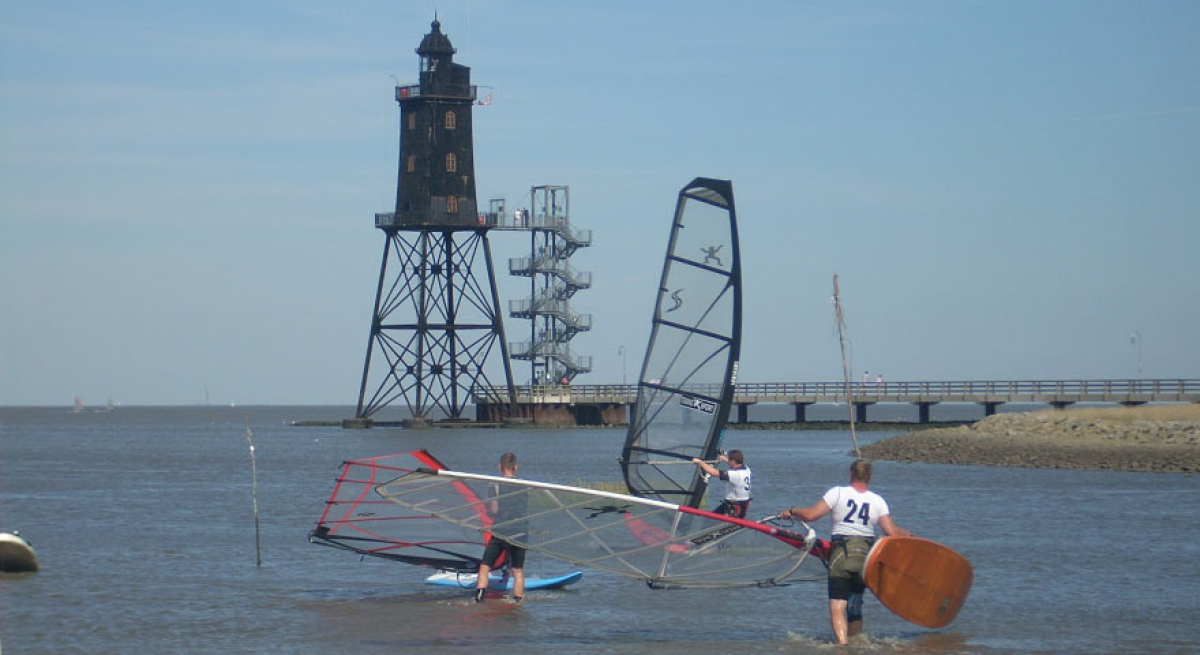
x: 926, y: 392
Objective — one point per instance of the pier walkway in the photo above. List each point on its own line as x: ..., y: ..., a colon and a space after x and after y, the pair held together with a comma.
x: 608, y: 403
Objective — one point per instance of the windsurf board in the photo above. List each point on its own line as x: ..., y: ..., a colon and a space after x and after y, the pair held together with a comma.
x: 499, y: 582
x: 919, y: 580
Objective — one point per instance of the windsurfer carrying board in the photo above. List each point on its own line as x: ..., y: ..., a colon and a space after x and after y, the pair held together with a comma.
x: 854, y: 512
x: 737, y: 483
x: 503, y: 509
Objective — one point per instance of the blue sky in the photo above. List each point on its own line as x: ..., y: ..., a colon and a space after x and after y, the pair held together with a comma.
x: 1007, y: 190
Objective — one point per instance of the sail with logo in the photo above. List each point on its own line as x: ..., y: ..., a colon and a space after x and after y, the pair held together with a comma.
x: 690, y: 368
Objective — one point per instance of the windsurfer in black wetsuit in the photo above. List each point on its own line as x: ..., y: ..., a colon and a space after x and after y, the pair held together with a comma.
x: 503, y: 509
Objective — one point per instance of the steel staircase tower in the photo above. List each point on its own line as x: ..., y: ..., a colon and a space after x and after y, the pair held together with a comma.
x: 552, y: 283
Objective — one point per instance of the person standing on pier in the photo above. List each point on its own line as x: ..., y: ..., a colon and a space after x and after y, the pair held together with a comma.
x: 854, y: 511
x: 737, y: 483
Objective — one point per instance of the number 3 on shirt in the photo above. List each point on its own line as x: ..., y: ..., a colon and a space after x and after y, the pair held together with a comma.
x: 863, y: 513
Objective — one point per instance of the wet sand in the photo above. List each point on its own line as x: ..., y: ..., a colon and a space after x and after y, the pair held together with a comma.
x: 1160, y: 438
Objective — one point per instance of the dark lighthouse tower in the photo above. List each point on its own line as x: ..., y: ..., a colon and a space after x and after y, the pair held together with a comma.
x: 437, y: 318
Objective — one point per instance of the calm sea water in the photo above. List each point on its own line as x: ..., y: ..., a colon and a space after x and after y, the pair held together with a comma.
x: 143, y: 521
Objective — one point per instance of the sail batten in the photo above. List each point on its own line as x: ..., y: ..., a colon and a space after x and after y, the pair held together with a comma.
x: 695, y: 330
x: 692, y: 262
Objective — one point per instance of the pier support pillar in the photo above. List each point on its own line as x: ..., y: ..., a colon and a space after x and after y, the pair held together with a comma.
x: 860, y: 412
x: 1061, y: 404
x: 923, y: 412
x: 743, y: 412
x: 801, y: 412
x: 990, y: 408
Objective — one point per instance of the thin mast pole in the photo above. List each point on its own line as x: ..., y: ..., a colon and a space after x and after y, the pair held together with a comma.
x: 254, y: 479
x: 841, y: 324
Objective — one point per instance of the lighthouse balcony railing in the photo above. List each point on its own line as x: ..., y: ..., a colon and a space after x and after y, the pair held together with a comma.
x: 465, y: 219
x: 414, y: 91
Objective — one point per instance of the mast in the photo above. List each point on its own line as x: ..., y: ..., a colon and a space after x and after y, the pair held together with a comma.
x: 840, y: 318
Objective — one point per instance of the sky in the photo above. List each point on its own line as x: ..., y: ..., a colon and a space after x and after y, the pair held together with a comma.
x: 1006, y: 190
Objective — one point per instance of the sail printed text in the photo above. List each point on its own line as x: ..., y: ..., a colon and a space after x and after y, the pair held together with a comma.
x: 698, y: 404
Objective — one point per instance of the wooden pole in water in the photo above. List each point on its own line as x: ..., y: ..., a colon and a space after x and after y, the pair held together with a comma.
x: 841, y: 324
x: 254, y: 479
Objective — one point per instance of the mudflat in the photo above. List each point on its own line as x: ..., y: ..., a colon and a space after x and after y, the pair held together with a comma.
x: 1158, y: 438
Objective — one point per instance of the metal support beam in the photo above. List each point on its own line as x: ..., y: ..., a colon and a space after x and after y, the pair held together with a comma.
x: 435, y: 327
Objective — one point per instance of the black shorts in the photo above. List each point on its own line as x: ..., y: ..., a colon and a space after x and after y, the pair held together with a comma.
x: 735, y: 508
x: 496, y: 547
x: 843, y: 588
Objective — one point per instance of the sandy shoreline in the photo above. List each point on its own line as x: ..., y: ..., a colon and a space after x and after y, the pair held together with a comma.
x: 1161, y: 438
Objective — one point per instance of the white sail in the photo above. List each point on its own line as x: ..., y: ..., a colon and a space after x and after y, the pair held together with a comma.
x: 665, y: 544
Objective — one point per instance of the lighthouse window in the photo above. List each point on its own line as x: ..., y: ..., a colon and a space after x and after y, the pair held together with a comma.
x: 410, y: 164
x: 451, y: 163
x: 451, y: 120
x: 452, y: 204
x: 412, y: 121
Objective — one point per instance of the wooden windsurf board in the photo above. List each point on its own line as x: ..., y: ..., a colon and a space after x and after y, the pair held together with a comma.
x: 919, y: 580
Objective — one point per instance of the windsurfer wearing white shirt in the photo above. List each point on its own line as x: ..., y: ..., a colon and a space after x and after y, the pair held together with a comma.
x: 737, y: 483
x: 854, y: 512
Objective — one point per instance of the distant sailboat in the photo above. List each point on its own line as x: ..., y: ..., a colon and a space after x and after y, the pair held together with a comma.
x: 78, y: 405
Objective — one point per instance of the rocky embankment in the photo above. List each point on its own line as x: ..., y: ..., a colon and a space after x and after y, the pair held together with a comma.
x: 1162, y: 439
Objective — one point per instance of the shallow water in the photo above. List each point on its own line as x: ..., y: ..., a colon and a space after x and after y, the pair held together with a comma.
x: 142, y: 519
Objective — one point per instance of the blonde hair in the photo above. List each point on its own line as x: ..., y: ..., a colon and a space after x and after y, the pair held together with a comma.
x: 860, y: 471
